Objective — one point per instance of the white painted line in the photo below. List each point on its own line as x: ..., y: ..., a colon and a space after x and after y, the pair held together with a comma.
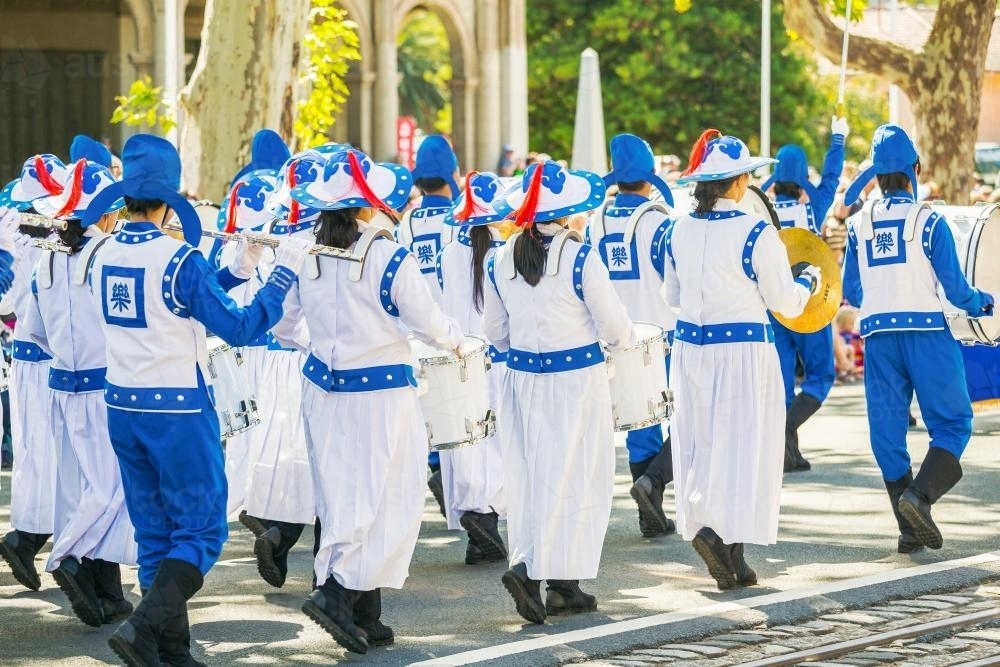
x: 641, y: 623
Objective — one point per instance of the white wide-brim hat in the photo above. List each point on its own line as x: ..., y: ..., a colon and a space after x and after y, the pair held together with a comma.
x: 375, y: 185
x: 474, y: 207
x: 561, y: 192
x: 41, y: 176
x: 720, y: 157
x: 82, y: 183
x: 245, y: 207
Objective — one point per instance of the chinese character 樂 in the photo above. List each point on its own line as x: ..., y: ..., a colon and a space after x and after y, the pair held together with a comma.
x: 884, y: 242
x: 120, y: 299
x: 425, y: 253
x: 619, y: 256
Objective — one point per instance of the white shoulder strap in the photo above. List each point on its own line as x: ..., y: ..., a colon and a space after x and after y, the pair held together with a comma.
x: 87, y: 257
x: 505, y: 258
x: 867, y: 230
x: 556, y: 249
x: 311, y: 267
x: 361, y: 250
x: 43, y: 270
x: 633, y: 220
x: 910, y: 224
x: 408, y: 221
x: 598, y: 223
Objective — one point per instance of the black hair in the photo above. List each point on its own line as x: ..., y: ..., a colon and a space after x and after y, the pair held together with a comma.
x: 893, y: 182
x: 787, y: 189
x: 482, y: 241
x: 707, y: 193
x: 630, y: 186
x: 431, y: 184
x: 530, y: 255
x: 72, y: 235
x: 143, y: 205
x: 338, y: 228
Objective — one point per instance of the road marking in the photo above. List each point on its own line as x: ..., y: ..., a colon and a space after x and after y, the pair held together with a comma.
x: 644, y: 622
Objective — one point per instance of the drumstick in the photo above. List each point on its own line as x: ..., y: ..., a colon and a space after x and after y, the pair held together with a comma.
x: 843, y: 60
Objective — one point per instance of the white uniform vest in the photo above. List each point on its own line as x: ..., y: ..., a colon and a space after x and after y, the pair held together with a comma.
x: 156, y: 350
x: 792, y: 213
x: 424, y: 233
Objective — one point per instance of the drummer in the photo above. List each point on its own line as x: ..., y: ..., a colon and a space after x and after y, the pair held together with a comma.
x: 161, y: 417
x: 473, y: 476
x: 791, y: 187
x: 549, y: 304
x: 636, y: 269
x: 363, y: 424
x: 908, y: 345
x: 725, y: 373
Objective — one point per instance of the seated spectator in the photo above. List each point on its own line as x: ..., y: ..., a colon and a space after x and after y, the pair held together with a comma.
x: 846, y: 323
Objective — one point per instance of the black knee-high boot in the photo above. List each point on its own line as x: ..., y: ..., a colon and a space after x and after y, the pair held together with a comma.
x: 907, y: 542
x: 78, y: 579
x: 802, y: 408
x: 565, y: 597
x: 19, y: 549
x: 367, y: 615
x: 939, y: 472
x: 271, y: 550
x: 108, y: 577
x: 651, y: 478
x: 160, y: 617
x: 331, y: 606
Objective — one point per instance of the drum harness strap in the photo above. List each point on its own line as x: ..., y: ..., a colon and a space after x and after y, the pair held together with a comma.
x: 909, y: 224
x: 598, y: 232
x: 505, y: 257
x: 370, y: 235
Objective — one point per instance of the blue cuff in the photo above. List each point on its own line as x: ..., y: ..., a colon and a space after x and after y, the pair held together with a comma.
x: 805, y: 282
x: 283, y: 277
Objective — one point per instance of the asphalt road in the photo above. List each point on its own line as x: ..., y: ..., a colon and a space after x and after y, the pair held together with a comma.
x: 836, y: 525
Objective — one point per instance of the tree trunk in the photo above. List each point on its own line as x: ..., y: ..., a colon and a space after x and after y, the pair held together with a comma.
x: 246, y: 78
x: 944, y: 80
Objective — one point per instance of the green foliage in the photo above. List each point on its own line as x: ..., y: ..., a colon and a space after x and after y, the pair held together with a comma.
x: 144, y: 107
x: 667, y: 76
x: 330, y: 46
x: 424, y: 63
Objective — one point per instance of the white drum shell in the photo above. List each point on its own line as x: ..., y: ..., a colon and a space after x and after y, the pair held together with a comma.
x: 234, y: 401
x: 977, y: 240
x: 638, y: 375
x: 455, y: 394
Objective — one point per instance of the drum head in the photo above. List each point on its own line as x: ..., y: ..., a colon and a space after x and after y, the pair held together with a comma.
x: 984, y: 273
x: 645, y: 331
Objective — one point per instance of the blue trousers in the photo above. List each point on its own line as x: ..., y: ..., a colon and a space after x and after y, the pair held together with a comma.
x: 645, y: 443
x: 929, y: 363
x: 816, y: 351
x: 173, y: 472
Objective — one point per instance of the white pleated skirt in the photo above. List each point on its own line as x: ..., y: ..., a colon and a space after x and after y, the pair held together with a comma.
x: 473, y: 476
x: 91, y: 520
x: 33, y: 480
x: 559, y: 462
x: 369, y: 456
x: 728, y: 435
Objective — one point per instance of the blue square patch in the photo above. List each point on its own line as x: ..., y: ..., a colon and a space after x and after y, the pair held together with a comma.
x: 425, y: 249
x: 122, y: 296
x: 621, y: 259
x: 888, y: 246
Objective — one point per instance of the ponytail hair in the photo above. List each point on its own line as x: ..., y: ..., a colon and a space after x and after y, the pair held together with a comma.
x: 72, y: 235
x: 338, y: 228
x: 482, y: 241
x: 707, y: 193
x: 530, y: 255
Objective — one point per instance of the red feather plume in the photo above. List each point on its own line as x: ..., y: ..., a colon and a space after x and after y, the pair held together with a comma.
x: 45, y: 178
x: 293, y: 213
x: 470, y: 204
x: 524, y: 216
x: 359, y: 180
x: 76, y: 191
x: 231, y: 208
x: 698, y: 152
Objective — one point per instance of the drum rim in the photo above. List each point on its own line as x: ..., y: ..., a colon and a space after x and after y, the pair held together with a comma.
x: 643, y: 424
x: 449, y: 357
x: 489, y: 431
x: 662, y: 337
x: 971, y: 260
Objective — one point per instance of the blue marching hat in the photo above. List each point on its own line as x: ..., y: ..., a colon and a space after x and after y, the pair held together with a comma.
x: 267, y: 151
x: 436, y: 159
x: 7, y: 202
x: 245, y: 207
x: 892, y: 151
x: 632, y: 162
x: 151, y: 169
x: 474, y: 207
x: 85, y: 148
x: 793, y: 167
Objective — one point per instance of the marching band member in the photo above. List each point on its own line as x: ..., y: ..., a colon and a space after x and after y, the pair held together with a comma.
x: 267, y: 151
x: 473, y: 476
x: 93, y: 533
x: 364, y: 426
x: 627, y: 233
x: 725, y: 270
x: 33, y: 480
x: 899, y: 255
x: 791, y: 184
x: 85, y: 148
x: 157, y: 295
x: 549, y: 304
x: 423, y: 231
x: 277, y: 485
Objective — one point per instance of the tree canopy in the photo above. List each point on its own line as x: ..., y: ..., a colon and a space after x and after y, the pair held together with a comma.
x: 670, y: 70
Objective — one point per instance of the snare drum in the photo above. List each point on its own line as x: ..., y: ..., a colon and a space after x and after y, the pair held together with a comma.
x: 639, y: 393
x: 977, y: 239
x: 234, y: 402
x: 455, y: 397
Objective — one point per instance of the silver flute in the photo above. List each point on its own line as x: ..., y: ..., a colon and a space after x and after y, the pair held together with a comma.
x: 268, y: 241
x: 38, y: 220
x: 54, y: 246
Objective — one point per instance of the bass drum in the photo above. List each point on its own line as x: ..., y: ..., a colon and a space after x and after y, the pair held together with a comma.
x: 977, y: 239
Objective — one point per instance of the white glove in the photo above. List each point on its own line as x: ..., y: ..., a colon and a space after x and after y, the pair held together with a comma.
x: 292, y: 253
x: 9, y: 217
x: 247, y: 258
x: 815, y: 274
x: 838, y: 125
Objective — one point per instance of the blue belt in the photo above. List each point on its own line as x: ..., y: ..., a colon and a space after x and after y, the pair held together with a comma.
x: 372, y: 378
x: 496, y: 356
x: 77, y: 382
x: 903, y: 321
x: 25, y: 351
x: 159, y: 399
x: 558, y: 361
x: 730, y: 332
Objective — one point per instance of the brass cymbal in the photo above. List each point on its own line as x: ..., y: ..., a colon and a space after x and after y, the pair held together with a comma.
x: 804, y: 246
